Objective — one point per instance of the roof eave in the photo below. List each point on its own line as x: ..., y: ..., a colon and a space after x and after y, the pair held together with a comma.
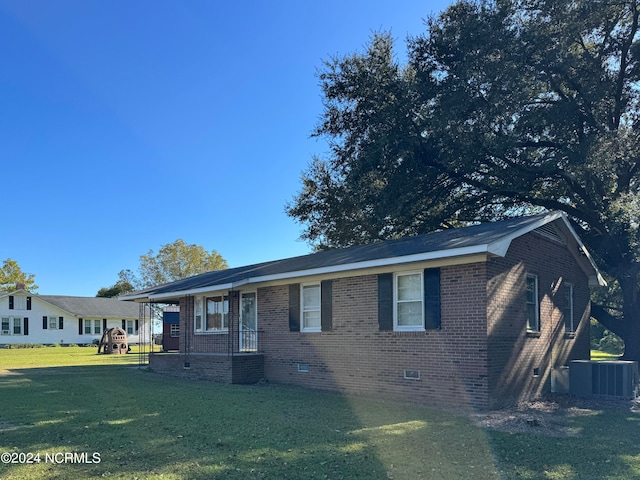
x: 371, y: 264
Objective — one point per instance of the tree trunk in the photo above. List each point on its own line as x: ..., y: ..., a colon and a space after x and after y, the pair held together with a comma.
x: 631, y: 311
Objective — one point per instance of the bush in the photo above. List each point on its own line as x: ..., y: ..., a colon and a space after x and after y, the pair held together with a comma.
x: 14, y: 346
x: 605, y: 340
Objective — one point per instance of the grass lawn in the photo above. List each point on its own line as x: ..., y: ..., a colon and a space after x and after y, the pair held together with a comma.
x: 145, y: 426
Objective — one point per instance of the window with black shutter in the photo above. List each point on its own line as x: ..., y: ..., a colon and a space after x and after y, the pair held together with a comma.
x: 326, y: 305
x: 431, y: 298
x: 385, y: 301
x: 294, y: 307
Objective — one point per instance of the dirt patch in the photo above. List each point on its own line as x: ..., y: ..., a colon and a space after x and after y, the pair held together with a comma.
x: 549, y: 416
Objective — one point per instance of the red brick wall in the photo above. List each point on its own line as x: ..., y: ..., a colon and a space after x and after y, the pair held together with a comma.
x: 356, y: 357
x: 513, y: 353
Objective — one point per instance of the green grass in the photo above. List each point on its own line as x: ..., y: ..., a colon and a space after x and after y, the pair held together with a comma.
x: 600, y: 356
x: 147, y: 426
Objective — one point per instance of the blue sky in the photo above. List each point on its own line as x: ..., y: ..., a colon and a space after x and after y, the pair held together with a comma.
x: 127, y: 124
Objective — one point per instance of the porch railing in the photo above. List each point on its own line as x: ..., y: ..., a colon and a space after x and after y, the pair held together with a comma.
x: 229, y: 342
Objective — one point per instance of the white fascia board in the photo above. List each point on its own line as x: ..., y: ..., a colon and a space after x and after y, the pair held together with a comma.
x: 419, y: 257
x: 193, y: 291
x: 597, y: 279
x: 501, y: 246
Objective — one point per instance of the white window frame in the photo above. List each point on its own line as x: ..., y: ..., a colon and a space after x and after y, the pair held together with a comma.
x: 567, y: 307
x: 306, y: 309
x: 20, y: 302
x: 53, y: 323
x: 397, y: 302
x: 174, y: 330
x: 6, y: 322
x: 131, y: 327
x: 535, y: 303
x: 87, y: 328
x: 97, y: 327
x: 16, y: 327
x: 200, y: 314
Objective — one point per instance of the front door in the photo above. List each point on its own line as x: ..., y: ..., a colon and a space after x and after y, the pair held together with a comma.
x: 248, y: 322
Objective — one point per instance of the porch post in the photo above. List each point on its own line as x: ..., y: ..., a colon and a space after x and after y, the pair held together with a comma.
x: 234, y: 322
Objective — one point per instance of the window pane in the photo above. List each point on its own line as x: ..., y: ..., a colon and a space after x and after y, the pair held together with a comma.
x: 311, y: 297
x: 96, y: 326
x: 17, y: 326
x: 410, y: 314
x: 531, y: 289
x: 311, y: 319
x: 409, y: 287
x: 248, y: 310
x: 217, y: 313
x: 20, y: 302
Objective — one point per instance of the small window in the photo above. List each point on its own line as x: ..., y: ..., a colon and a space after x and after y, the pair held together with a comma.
x: 20, y: 302
x: 96, y: 327
x: 197, y: 314
x: 87, y: 327
x: 217, y: 314
x: 175, y: 330
x: 5, y: 326
x: 17, y: 326
x: 53, y: 323
x: 568, y: 308
x: 310, y: 308
x: 131, y: 327
x: 409, y: 311
x: 533, y: 307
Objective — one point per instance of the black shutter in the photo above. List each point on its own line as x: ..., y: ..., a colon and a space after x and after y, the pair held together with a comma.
x: 104, y: 324
x: 28, y: 303
x: 25, y: 331
x: 326, y: 320
x: 294, y: 307
x: 80, y: 332
x: 385, y: 301
x: 124, y: 325
x: 137, y: 326
x: 10, y: 302
x: 432, y: 298
x: 60, y: 323
x: 45, y: 319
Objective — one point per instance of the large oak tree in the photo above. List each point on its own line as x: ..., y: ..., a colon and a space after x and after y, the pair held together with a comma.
x: 502, y: 107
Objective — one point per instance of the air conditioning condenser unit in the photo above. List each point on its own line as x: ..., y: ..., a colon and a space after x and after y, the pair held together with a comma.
x: 613, y: 379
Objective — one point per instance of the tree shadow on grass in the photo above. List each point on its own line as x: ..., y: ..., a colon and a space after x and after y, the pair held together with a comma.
x: 144, y: 425
x: 600, y: 440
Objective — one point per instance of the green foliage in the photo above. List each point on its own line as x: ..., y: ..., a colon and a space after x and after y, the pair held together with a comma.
x: 11, y: 275
x: 122, y: 286
x: 605, y: 340
x: 174, y: 261
x: 504, y: 107
x: 178, y: 260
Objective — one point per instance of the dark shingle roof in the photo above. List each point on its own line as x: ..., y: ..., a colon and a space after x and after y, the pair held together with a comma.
x: 446, y: 243
x: 93, y: 306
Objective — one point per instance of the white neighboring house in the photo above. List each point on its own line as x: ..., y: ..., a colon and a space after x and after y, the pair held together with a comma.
x: 26, y: 317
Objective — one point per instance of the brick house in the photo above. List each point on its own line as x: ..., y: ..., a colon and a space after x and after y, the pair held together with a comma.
x: 475, y: 317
